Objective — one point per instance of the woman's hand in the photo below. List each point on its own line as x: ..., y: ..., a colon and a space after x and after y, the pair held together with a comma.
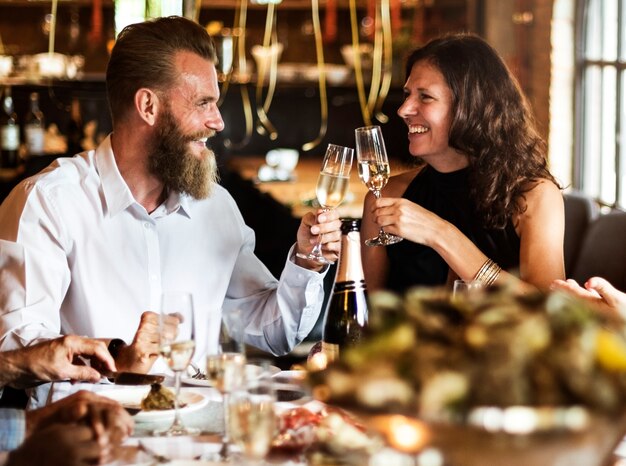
x: 408, y: 220
x: 599, y: 292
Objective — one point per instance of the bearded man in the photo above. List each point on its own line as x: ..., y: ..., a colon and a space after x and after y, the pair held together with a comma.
x: 88, y: 245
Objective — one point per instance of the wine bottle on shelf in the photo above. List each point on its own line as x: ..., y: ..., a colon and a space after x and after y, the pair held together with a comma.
x: 9, y: 132
x: 34, y: 127
x: 346, y: 312
x: 75, y: 129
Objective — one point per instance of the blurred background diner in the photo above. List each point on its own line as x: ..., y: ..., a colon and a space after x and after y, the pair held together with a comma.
x: 297, y: 75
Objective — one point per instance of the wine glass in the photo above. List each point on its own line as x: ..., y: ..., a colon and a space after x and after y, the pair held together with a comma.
x: 176, y: 346
x: 226, y: 372
x: 252, y: 423
x: 332, y: 185
x: 374, y: 172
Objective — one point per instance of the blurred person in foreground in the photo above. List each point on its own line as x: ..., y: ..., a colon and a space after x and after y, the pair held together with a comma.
x: 599, y: 292
x: 83, y: 428
x: 89, y: 244
x: 481, y: 201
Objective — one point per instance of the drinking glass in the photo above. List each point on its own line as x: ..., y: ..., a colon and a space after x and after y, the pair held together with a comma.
x: 332, y: 185
x: 374, y: 172
x: 176, y: 346
x: 252, y: 423
x: 232, y: 332
x: 465, y: 287
x: 226, y: 372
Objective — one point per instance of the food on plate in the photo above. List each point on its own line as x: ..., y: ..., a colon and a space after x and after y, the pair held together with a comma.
x: 438, y: 357
x: 158, y: 398
x: 325, y: 428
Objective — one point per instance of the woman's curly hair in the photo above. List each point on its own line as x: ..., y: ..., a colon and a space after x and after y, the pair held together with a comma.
x: 492, y: 124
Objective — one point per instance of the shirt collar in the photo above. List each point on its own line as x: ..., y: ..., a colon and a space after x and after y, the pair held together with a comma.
x: 117, y: 194
x: 177, y: 202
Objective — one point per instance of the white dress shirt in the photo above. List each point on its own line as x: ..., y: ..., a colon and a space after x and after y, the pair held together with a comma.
x: 79, y: 255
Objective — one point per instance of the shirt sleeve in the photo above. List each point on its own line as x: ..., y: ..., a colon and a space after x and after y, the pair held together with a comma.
x: 12, y: 428
x: 277, y: 314
x: 34, y: 274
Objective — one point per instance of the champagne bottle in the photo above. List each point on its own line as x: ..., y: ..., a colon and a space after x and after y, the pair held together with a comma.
x: 34, y: 127
x: 346, y: 312
x: 9, y: 132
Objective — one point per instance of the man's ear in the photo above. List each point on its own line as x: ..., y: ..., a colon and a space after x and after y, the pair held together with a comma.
x: 147, y: 105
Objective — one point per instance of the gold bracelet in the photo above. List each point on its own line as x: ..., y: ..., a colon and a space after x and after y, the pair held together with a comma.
x: 488, y: 273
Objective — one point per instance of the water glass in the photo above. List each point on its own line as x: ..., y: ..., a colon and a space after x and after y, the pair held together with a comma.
x: 252, y: 422
x: 466, y: 287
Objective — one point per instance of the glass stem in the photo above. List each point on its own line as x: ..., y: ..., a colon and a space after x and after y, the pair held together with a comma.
x: 225, y: 436
x: 177, y: 424
x: 381, y: 231
x: 317, y: 249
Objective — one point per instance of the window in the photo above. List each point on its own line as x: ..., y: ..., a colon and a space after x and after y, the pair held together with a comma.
x: 600, y: 168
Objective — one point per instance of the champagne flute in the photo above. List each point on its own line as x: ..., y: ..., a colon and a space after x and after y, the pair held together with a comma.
x: 226, y: 372
x: 176, y: 346
x: 332, y: 185
x: 374, y: 172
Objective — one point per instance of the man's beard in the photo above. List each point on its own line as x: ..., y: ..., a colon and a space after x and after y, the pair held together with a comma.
x: 175, y: 165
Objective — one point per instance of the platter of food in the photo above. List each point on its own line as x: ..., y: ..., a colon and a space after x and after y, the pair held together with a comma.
x: 494, y: 378
x: 135, y: 400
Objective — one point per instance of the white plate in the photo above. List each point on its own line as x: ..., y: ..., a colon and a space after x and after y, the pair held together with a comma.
x: 252, y: 371
x: 131, y: 398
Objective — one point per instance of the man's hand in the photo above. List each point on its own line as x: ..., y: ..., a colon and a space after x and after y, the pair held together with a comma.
x: 141, y: 354
x: 326, y: 224
x: 103, y: 415
x: 55, y: 360
x: 60, y: 445
x: 93, y: 424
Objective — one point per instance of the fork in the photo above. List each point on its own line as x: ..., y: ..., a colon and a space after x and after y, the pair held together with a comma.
x: 197, y: 373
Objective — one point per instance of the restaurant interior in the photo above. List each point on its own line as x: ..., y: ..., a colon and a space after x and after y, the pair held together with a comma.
x: 292, y: 83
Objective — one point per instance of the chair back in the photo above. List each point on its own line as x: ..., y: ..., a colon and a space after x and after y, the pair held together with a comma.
x: 603, y: 251
x: 580, y: 211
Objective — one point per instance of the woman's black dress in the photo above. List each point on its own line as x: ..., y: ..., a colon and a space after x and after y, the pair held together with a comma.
x: 447, y: 195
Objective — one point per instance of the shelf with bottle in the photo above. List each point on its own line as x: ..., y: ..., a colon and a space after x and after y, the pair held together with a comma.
x: 9, y: 133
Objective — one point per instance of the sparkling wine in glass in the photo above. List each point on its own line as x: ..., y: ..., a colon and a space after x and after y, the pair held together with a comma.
x: 176, y: 346
x: 374, y: 172
x: 226, y: 372
x: 252, y: 423
x: 332, y: 186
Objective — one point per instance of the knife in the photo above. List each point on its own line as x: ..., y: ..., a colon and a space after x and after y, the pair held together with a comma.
x: 133, y: 378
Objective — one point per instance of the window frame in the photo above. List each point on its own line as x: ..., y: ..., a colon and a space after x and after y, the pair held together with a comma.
x: 583, y: 64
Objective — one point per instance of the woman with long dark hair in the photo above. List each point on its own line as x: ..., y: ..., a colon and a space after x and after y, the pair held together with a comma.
x: 482, y: 203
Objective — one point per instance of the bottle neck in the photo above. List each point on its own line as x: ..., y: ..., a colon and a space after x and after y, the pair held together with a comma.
x: 350, y: 268
x: 34, y: 107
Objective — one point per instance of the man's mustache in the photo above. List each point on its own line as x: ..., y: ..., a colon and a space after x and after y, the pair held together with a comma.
x: 200, y: 135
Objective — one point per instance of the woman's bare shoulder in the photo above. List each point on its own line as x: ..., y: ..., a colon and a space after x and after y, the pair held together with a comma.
x: 398, y: 183
x: 542, y: 190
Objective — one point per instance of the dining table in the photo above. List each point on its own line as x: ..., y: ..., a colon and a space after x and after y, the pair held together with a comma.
x: 205, y: 412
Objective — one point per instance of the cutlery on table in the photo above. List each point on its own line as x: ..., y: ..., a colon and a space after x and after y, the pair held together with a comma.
x: 133, y: 378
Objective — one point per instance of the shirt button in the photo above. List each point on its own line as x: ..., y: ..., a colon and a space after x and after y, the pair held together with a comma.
x: 147, y: 226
